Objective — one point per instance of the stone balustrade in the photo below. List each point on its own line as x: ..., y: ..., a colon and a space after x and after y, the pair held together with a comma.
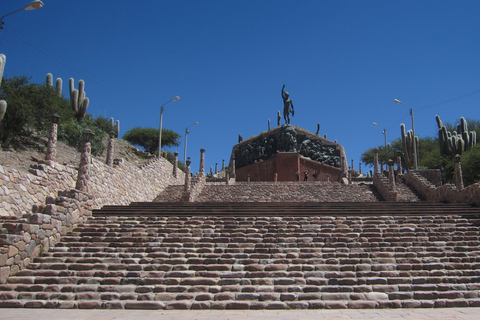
x: 380, y: 181
x: 442, y: 193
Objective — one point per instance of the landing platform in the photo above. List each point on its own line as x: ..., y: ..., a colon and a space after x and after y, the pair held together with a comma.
x: 348, y: 314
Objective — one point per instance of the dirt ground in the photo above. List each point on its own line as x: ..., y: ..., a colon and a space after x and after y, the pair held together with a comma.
x: 26, y: 151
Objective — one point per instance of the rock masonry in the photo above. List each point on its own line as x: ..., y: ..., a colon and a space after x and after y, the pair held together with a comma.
x: 39, y: 207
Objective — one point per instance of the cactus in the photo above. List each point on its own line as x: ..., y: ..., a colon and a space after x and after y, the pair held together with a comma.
x: 3, y: 103
x: 3, y: 59
x: 49, y: 80
x: 58, y: 83
x: 453, y: 143
x: 408, y: 146
x: 78, y: 98
x: 3, y: 109
x: 117, y: 128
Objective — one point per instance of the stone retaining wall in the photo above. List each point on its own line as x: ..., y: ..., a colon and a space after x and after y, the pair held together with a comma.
x: 39, y: 207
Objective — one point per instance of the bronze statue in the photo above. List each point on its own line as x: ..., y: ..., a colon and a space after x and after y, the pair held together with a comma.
x: 287, y: 102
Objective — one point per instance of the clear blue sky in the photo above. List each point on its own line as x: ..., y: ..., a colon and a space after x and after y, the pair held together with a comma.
x: 343, y: 63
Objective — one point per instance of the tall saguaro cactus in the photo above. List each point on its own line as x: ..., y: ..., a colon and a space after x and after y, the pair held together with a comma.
x: 115, y: 127
x: 455, y: 143
x: 78, y: 98
x: 58, y: 83
x: 3, y: 103
x: 408, y: 146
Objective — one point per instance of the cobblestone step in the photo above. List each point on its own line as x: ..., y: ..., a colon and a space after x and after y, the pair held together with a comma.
x: 231, y: 256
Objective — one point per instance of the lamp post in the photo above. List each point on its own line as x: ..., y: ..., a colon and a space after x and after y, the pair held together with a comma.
x: 415, y: 159
x: 186, y: 133
x: 30, y: 6
x: 52, y: 138
x: 84, y: 167
x: 384, y: 132
x: 160, y: 131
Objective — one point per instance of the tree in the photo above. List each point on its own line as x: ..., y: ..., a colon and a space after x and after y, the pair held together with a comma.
x: 385, y: 153
x: 30, y: 107
x: 471, y: 166
x: 147, y: 138
x: 71, y: 132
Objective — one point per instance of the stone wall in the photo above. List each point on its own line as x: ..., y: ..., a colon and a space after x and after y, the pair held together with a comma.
x: 443, y: 193
x: 38, y: 207
x: 118, y: 185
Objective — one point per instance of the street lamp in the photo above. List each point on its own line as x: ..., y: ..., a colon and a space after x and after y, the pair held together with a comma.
x: 185, y: 151
x: 30, y: 6
x: 384, y: 132
x: 160, y: 130
x: 415, y: 159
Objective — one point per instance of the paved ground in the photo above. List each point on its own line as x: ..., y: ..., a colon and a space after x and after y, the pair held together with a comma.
x: 348, y: 314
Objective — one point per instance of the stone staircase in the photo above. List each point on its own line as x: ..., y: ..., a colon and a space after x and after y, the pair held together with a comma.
x: 260, y: 256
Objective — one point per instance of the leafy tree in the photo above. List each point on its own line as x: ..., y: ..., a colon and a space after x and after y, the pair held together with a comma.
x: 385, y: 153
x: 30, y: 107
x: 71, y: 132
x: 147, y: 138
x: 471, y: 165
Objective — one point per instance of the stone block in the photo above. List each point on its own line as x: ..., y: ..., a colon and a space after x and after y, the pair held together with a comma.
x: 309, y: 296
x: 68, y: 305
x: 237, y: 305
x: 112, y: 305
x: 178, y: 305
x: 224, y: 296
x: 12, y: 304
x: 165, y: 297
x: 200, y: 305
x: 276, y: 305
x: 389, y: 304
x: 145, y: 305
x: 335, y: 305
x: 359, y: 304
x: 89, y: 304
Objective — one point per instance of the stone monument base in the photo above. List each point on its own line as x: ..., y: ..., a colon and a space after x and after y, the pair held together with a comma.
x: 286, y: 164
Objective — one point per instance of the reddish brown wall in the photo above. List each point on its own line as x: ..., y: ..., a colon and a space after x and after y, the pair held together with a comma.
x: 286, y: 164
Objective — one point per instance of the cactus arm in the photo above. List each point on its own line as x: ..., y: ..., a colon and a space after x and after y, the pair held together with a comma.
x: 58, y: 86
x: 49, y: 80
x: 3, y: 109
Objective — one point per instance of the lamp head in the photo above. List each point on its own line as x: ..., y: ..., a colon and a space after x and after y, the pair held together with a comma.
x: 176, y: 98
x: 397, y: 101
x: 34, y: 5
x: 55, y: 118
x: 88, y: 135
